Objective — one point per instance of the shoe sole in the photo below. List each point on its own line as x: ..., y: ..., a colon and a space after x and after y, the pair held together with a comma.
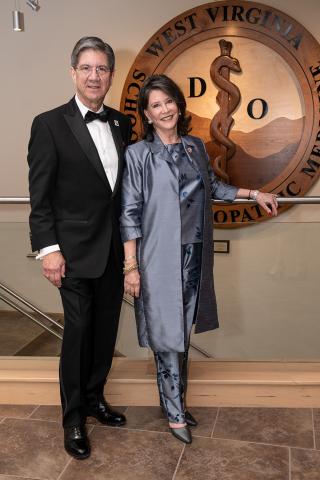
x: 114, y: 424
x: 109, y: 424
x: 78, y: 457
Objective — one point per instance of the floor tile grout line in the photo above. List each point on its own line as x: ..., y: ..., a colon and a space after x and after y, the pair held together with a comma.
x: 44, y: 420
x: 201, y: 436
x: 33, y: 420
x: 130, y: 429
x: 33, y: 411
x: 178, y: 464
x: 142, y: 430
x: 90, y: 427
x: 314, y: 430
x: 64, y: 469
x: 260, y: 443
x: 19, y: 476
x: 289, y: 462
x: 215, y: 422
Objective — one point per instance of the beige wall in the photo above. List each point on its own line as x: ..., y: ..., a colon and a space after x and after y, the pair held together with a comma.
x: 35, y: 63
x: 34, y: 78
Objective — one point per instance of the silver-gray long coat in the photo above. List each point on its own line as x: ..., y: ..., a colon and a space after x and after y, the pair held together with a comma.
x: 151, y: 214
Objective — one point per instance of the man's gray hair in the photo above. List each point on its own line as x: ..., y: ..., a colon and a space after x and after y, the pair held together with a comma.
x: 93, y: 43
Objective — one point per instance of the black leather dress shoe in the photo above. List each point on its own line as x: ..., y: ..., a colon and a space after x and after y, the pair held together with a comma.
x: 190, y: 420
x: 183, y: 434
x: 76, y: 442
x: 105, y: 414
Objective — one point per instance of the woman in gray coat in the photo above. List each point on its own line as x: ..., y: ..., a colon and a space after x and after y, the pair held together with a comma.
x: 166, y: 226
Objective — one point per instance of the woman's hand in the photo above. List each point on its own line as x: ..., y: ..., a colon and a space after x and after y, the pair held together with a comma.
x: 132, y: 283
x: 268, y: 201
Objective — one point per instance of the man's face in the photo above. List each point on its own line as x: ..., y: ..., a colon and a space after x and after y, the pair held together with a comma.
x: 91, y: 86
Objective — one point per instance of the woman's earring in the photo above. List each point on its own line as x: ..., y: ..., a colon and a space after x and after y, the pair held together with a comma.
x: 179, y: 113
x: 149, y: 121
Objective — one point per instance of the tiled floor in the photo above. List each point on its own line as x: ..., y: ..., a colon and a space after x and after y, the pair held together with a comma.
x: 20, y: 336
x: 228, y: 444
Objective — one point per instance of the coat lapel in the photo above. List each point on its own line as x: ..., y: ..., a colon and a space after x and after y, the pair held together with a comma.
x: 191, y: 149
x: 117, y: 138
x: 189, y: 146
x: 157, y: 147
x: 79, y: 129
x: 192, y: 152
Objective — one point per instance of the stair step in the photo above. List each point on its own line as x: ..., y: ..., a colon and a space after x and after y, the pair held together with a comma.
x: 132, y: 382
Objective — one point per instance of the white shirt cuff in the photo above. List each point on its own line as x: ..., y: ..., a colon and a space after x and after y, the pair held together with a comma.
x: 44, y: 251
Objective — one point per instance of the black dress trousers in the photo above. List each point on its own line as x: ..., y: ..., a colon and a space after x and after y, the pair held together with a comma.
x: 91, y: 314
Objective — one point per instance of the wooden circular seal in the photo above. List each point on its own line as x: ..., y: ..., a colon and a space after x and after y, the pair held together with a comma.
x: 251, y: 77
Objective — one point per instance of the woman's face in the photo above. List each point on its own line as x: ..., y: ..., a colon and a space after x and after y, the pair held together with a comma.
x: 162, y: 111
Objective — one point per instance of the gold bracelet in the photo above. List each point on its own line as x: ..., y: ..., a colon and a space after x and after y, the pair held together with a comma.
x: 130, y: 268
x: 133, y: 257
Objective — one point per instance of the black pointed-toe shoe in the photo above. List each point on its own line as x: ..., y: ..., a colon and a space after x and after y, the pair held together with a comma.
x: 105, y: 414
x: 76, y: 442
x: 183, y: 434
x: 190, y: 420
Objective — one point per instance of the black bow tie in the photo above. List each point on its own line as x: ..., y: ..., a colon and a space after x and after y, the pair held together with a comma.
x: 102, y: 116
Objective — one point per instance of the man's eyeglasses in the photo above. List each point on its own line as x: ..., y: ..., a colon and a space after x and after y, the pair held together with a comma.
x: 86, y: 70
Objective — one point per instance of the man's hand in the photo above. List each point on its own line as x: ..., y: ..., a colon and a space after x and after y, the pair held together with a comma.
x: 53, y: 268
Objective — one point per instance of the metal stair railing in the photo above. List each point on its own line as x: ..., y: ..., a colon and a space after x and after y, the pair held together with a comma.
x: 26, y: 200
x: 281, y: 201
x: 32, y: 307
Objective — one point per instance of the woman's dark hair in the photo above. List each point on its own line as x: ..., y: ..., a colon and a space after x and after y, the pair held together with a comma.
x: 168, y: 86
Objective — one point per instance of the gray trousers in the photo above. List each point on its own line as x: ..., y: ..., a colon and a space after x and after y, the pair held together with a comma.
x: 172, y: 367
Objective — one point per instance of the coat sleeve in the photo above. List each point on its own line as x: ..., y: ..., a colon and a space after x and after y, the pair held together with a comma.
x: 132, y: 198
x: 219, y: 190
x: 43, y: 164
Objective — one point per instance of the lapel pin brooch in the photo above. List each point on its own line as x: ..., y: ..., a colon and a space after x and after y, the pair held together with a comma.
x: 116, y: 123
x: 189, y: 149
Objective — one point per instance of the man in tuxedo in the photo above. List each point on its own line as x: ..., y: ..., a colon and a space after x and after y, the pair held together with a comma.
x: 76, y: 158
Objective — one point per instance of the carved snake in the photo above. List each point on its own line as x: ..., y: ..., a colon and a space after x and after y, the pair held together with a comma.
x: 233, y: 101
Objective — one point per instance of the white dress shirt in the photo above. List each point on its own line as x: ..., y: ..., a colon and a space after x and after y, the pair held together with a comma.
x: 103, y: 140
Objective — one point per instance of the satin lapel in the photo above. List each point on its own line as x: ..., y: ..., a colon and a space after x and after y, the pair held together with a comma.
x: 117, y: 138
x: 167, y: 156
x: 192, y: 153
x: 158, y: 147
x: 81, y: 132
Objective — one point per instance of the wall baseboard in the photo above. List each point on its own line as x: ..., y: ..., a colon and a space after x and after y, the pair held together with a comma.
x: 35, y: 381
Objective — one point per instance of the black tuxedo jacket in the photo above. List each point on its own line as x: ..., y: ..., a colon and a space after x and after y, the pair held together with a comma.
x: 72, y: 203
